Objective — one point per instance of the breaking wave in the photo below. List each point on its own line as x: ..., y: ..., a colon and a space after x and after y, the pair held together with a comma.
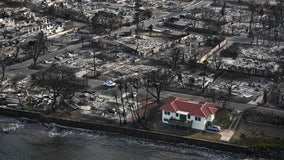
x: 118, y: 142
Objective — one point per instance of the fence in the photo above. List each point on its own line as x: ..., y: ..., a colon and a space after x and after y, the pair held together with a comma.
x: 212, y: 51
x: 164, y: 46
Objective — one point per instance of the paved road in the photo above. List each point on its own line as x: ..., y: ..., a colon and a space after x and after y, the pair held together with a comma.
x: 158, y: 16
x: 22, y: 68
x: 232, y: 105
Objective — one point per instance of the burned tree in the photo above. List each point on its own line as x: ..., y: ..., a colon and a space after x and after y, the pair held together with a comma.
x: 105, y: 21
x: 60, y: 83
x: 4, y: 62
x: 17, y: 48
x: 127, y: 86
x: 137, y: 15
x: 231, y: 85
x: 204, y: 68
x: 147, y: 97
x: 136, y: 83
x: 217, y: 62
x: 176, y: 54
x: 240, y: 11
x: 252, y: 9
x: 129, y: 97
x: 121, y: 87
x: 179, y: 76
x: 150, y: 29
x: 117, y: 107
x: 159, y: 80
x: 37, y: 47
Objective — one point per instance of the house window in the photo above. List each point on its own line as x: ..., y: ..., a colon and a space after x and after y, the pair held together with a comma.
x: 167, y: 112
x: 165, y: 119
x: 198, y: 118
x: 176, y: 114
x: 188, y: 116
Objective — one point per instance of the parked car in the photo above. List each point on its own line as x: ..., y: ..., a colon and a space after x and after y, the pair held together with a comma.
x: 214, y: 128
x: 109, y: 84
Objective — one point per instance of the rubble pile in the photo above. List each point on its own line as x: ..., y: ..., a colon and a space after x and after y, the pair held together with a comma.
x: 250, y: 87
x: 257, y: 60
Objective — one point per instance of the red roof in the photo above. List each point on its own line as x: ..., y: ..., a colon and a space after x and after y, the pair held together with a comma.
x: 176, y: 104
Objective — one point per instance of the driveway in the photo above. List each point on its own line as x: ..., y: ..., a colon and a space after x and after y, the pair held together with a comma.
x: 226, y: 134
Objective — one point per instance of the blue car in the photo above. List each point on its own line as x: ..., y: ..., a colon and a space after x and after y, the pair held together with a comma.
x: 214, y: 128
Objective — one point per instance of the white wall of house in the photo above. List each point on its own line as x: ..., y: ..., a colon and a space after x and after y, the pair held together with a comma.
x: 199, y: 124
x: 166, y: 117
x: 196, y: 124
x: 189, y: 117
x: 211, y: 117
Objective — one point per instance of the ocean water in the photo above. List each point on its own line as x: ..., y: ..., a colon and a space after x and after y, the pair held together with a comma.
x: 25, y: 139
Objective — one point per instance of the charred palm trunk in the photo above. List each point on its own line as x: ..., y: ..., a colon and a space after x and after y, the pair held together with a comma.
x: 56, y: 94
x: 147, y: 96
x: 95, y: 70
x: 123, y: 105
x: 137, y: 107
x: 3, y: 66
x: 118, y: 110
x: 134, y: 107
x: 203, y: 80
x: 158, y: 91
x: 137, y: 115
x: 130, y: 106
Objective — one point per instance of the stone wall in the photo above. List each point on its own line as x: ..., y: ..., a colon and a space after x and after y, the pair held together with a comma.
x: 124, y: 130
x: 212, y: 51
x: 164, y: 46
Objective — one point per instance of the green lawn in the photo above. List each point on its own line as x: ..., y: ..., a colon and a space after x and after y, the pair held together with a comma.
x: 206, y: 135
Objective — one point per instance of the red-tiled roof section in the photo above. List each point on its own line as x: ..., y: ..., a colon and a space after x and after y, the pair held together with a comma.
x: 203, y: 109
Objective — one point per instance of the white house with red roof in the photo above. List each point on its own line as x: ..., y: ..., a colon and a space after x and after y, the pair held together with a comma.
x: 182, y: 112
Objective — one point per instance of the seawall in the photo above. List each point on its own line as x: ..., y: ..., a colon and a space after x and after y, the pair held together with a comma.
x: 125, y: 130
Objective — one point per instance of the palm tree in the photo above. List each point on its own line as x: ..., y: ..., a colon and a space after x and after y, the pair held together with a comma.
x: 150, y: 28
x: 17, y: 45
x: 176, y: 52
x: 37, y: 47
x: 240, y: 11
x: 3, y: 62
x: 137, y: 84
x: 120, y: 87
x: 131, y: 108
x: 252, y: 9
x: 203, y: 77
x: 130, y: 105
x: 94, y: 65
x: 179, y: 75
x: 118, y: 110
x: 147, y: 97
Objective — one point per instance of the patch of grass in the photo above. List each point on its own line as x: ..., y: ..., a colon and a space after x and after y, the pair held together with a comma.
x: 251, y: 142
x: 206, y: 135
